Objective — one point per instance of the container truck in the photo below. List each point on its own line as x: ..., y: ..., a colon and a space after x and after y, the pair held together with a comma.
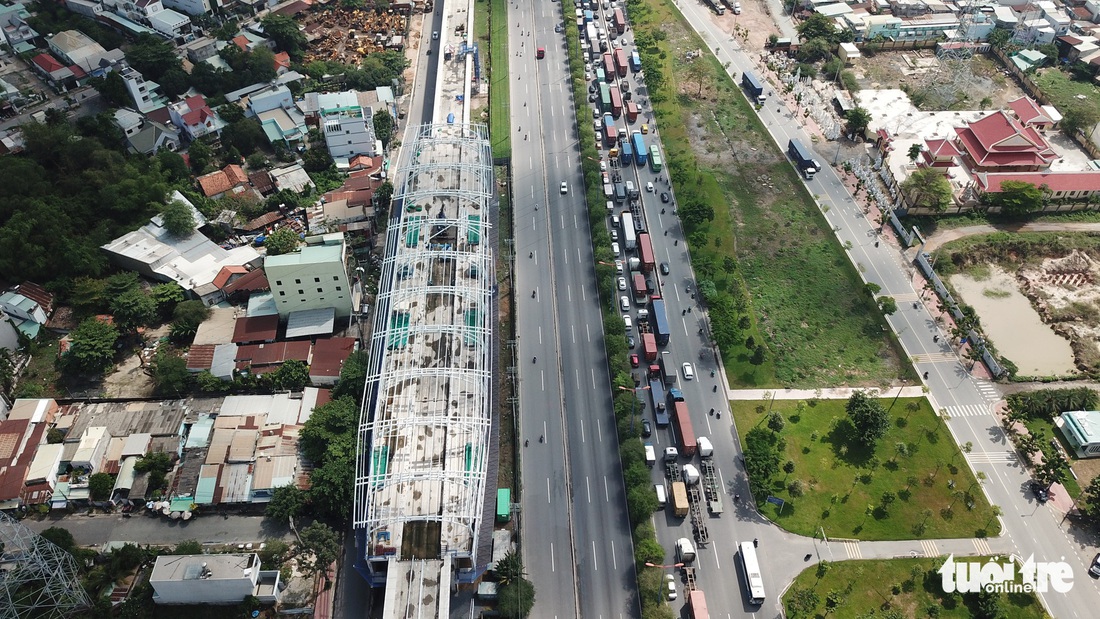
x: 645, y: 251
x: 620, y: 62
x: 716, y: 6
x: 670, y: 374
x: 637, y: 282
x: 616, y: 103
x: 659, y: 320
x: 627, y: 153
x: 619, y: 20
x: 631, y: 111
x: 803, y: 158
x: 635, y: 61
x: 640, y: 152
x: 594, y: 49
x: 610, y: 134
x: 657, y: 394
x: 649, y: 346
x: 630, y: 238
x: 605, y: 98
x: 697, y: 605
x: 754, y: 87
x: 589, y: 16
x: 684, y: 430
x: 590, y: 31
x: 679, y: 499
x: 609, y: 66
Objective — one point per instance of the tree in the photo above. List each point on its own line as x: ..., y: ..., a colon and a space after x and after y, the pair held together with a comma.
x: 60, y: 537
x: 178, y: 218
x: 231, y: 112
x: 292, y: 375
x: 984, y: 104
x: 317, y: 159
x: 914, y: 151
x: 173, y: 165
x: 1080, y: 118
x: 318, y: 547
x: 113, y: 89
x: 245, y: 135
x: 757, y: 356
x: 166, y: 296
x: 1000, y: 37
x: 988, y: 605
x: 153, y: 57
x: 286, y: 502
x: 802, y: 602
x: 93, y: 346
x: 352, y: 376
x: 1017, y: 198
x: 187, y: 547
x: 817, y: 26
x: 815, y: 49
x: 888, y: 305
x: 516, y: 599
x: 170, y: 374
x: 383, y: 127
x: 186, y: 318
x: 133, y: 309
x: 510, y: 568
x: 1052, y: 471
x: 928, y: 188
x: 869, y: 418
x: 200, y: 154
x: 775, y: 422
x: 282, y: 241
x: 286, y: 34
x: 858, y: 119
x: 100, y: 486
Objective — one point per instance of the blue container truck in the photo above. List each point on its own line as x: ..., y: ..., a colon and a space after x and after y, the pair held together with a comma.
x: 658, y: 320
x: 635, y: 61
x: 753, y: 86
x: 803, y: 158
x: 640, y: 152
x: 660, y: 409
x: 627, y: 153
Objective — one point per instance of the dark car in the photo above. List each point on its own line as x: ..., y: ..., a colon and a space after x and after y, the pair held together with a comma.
x: 557, y: 28
x: 592, y: 97
x: 592, y: 88
x: 1094, y: 569
x: 665, y: 197
x: 634, y: 361
x: 664, y: 268
x: 1040, y: 492
x: 647, y: 429
x: 630, y: 343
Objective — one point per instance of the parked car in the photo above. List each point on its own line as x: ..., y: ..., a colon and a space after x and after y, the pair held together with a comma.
x: 1041, y: 493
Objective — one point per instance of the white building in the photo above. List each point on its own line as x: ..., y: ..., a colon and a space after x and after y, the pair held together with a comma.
x: 44, y: 467
x: 145, y: 94
x: 191, y: 7
x: 314, y: 277
x: 348, y: 125
x: 170, y: 23
x: 89, y: 454
x: 75, y: 47
x: 212, y: 579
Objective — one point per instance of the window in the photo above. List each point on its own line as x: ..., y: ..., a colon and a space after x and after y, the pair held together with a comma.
x: 317, y: 280
x: 278, y: 282
x: 339, y: 288
x: 282, y: 293
x: 319, y: 290
x: 335, y: 278
x: 301, y: 292
x: 297, y: 281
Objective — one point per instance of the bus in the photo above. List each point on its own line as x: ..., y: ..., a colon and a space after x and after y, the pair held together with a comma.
x: 754, y: 582
x: 655, y: 158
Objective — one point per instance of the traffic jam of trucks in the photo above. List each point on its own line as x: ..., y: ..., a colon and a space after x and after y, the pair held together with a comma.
x: 690, y: 486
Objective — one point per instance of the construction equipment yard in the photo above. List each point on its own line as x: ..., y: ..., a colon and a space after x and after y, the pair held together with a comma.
x: 348, y: 35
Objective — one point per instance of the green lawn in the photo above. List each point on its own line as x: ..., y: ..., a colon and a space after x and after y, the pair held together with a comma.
x: 768, y: 240
x: 1044, y: 430
x: 906, y: 587
x: 491, y: 30
x: 844, y: 483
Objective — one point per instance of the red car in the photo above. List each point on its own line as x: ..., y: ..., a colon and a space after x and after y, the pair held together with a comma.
x: 634, y: 362
x: 540, y: 53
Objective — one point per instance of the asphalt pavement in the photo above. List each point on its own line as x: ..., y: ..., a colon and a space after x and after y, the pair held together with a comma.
x: 140, y: 529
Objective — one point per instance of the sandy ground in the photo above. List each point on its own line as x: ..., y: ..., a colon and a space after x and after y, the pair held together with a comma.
x: 752, y: 27
x: 130, y: 379
x: 1064, y: 292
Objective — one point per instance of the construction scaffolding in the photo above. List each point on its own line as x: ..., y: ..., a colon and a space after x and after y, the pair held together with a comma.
x: 424, y: 435
x: 37, y: 579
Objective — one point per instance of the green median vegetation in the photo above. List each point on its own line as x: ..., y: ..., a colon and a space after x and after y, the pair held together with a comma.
x: 784, y: 299
x: 491, y: 30
x: 897, y: 589
x: 893, y: 474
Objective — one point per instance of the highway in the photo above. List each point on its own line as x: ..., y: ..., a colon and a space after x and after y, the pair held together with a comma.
x: 577, y: 547
x: 1031, y: 529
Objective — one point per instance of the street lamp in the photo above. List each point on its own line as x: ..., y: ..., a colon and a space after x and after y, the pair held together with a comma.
x: 633, y: 402
x: 674, y: 566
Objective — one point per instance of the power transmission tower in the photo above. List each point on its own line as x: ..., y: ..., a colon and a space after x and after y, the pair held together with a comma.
x: 37, y: 579
x: 953, y: 79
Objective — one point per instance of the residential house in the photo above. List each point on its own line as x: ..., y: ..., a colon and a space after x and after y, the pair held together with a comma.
x: 315, y: 277
x: 193, y: 262
x: 1001, y: 143
x: 1082, y: 431
x: 170, y: 23
x: 19, y: 443
x: 291, y: 178
x: 256, y: 329
x: 1028, y: 59
x: 263, y: 358
x: 60, y: 77
x: 91, y: 449
x: 16, y: 32
x: 201, y: 48
x: 145, y: 136
x: 191, y: 7
x: 1072, y: 187
x: 195, y: 118
x: 212, y: 579
x: 261, y: 182
x: 87, y: 8
x: 27, y: 314
x: 230, y: 179
x: 346, y: 123
x: 145, y: 94
x: 73, y: 47
x: 248, y: 41
x: 282, y: 63
x: 218, y: 359
x: 329, y: 355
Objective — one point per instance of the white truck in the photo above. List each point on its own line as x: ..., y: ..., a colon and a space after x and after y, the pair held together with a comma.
x: 650, y: 454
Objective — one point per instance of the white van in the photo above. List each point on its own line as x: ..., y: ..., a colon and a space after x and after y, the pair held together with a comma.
x: 662, y: 496
x: 685, y: 552
x: 651, y: 455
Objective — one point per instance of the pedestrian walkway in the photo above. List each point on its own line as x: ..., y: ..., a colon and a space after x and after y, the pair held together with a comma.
x: 988, y: 390
x: 936, y: 357
x: 993, y: 457
x: 951, y: 234
x: 839, y: 393
x: 969, y: 410
x: 963, y: 547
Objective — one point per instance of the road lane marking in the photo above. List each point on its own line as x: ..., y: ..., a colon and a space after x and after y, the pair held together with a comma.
x: 592, y: 371
x: 968, y: 410
x: 595, y: 566
x: 614, y: 559
x: 573, y: 333
x: 993, y: 457
x: 588, y: 488
x: 553, y: 562
x: 599, y: 430
x: 606, y: 491
x: 549, y: 500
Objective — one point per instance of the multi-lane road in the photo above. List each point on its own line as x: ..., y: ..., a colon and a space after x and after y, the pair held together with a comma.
x: 576, y: 535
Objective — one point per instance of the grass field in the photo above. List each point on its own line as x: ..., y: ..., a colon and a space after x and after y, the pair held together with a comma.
x: 843, y: 483
x: 768, y: 241
x: 1065, y: 93
x: 1044, y: 430
x: 894, y: 588
x: 491, y: 26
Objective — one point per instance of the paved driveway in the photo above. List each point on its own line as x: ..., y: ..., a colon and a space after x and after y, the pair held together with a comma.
x: 211, y: 529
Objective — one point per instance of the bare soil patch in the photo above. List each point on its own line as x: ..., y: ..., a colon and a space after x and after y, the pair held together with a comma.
x: 914, y: 68
x: 1064, y: 292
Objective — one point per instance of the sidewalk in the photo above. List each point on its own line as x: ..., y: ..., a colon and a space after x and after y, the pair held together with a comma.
x: 964, y: 547
x: 840, y: 393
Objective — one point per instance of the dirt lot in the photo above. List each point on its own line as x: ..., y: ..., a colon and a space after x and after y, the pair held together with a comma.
x: 914, y: 68
x: 752, y: 27
x: 1064, y: 292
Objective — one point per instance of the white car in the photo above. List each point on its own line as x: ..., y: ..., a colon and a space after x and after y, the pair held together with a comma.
x: 649, y: 187
x: 603, y: 165
x: 597, y: 124
x: 622, y: 283
x: 670, y: 586
x: 564, y: 187
x: 614, y: 234
x: 615, y: 248
x: 689, y: 372
x: 628, y: 322
x: 624, y: 303
x: 619, y: 267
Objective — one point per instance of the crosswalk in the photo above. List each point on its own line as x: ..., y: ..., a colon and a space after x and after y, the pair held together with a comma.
x: 988, y: 391
x: 993, y: 457
x: 935, y: 357
x: 968, y: 410
x: 852, y: 550
x: 929, y: 548
x: 981, y: 546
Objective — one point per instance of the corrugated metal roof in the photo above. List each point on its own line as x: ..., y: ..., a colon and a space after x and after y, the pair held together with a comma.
x: 235, y: 482
x: 136, y: 444
x: 199, y: 436
x: 208, y: 484
x: 311, y: 322
x: 243, y: 446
